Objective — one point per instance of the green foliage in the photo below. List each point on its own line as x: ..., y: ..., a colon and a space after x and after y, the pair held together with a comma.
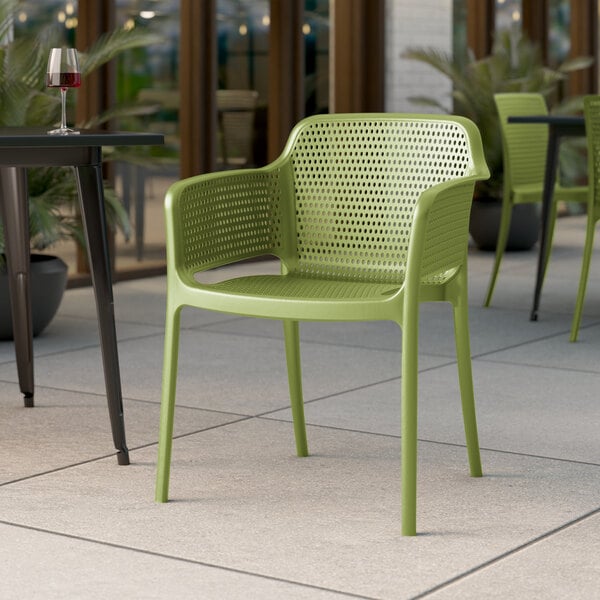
x: 515, y: 65
x: 26, y: 101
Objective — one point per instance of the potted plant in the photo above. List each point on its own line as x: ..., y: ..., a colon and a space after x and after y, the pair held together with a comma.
x: 25, y: 101
x: 515, y: 65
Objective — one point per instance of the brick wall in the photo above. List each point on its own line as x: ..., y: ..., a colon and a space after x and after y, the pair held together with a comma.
x: 415, y: 23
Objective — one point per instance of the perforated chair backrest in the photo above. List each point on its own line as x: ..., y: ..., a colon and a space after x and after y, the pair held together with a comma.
x: 591, y: 109
x: 356, y: 181
x: 339, y: 201
x: 524, y: 145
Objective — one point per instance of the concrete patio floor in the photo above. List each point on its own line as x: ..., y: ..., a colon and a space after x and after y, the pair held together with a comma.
x: 247, y: 518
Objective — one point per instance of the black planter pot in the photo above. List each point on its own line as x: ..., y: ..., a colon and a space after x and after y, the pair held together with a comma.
x: 485, y: 223
x: 48, y: 282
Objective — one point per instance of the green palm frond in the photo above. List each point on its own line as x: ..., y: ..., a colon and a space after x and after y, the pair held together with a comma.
x: 114, y: 43
x: 514, y: 65
x: 121, y: 112
x: 576, y: 64
x: 441, y: 61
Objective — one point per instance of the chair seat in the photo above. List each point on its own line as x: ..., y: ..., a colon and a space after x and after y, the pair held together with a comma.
x: 305, y: 288
x: 302, y: 298
x: 577, y: 193
x: 527, y: 192
x: 532, y: 192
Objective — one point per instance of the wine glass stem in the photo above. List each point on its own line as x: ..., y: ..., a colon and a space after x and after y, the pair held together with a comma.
x: 63, y: 99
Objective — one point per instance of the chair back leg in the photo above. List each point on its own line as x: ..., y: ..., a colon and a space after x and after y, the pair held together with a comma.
x: 585, y: 269
x: 465, y: 376
x: 292, y: 353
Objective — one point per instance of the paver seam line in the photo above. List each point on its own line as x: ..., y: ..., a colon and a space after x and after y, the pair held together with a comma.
x: 88, y: 346
x: 490, y: 360
x: 432, y: 590
x: 315, y: 342
x: 533, y: 340
x: 131, y: 449
x: 429, y: 441
x: 147, y: 324
x: 185, y: 560
x: 507, y: 554
x: 286, y: 405
x: 265, y: 416
x: 102, y: 396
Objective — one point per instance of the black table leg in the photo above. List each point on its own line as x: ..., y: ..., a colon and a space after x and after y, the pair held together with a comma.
x: 91, y: 197
x: 14, y: 210
x: 549, y: 181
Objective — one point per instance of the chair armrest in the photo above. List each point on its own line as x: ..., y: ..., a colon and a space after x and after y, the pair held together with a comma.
x: 441, y: 228
x: 220, y: 218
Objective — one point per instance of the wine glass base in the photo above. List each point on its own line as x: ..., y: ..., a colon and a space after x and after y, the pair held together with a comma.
x: 63, y: 131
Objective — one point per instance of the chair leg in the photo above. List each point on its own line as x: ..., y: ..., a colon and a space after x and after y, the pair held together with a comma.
x: 292, y: 353
x: 583, y: 278
x: 167, y: 407
x: 504, y: 228
x: 465, y: 377
x: 410, y: 367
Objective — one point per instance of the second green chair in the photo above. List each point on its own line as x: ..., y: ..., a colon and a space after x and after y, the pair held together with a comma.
x: 524, y: 148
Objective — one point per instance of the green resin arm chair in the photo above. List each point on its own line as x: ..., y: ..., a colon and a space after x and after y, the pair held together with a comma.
x: 368, y: 214
x: 591, y: 111
x: 524, y: 148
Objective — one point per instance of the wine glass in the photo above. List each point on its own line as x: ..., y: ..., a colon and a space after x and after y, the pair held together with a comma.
x: 63, y: 72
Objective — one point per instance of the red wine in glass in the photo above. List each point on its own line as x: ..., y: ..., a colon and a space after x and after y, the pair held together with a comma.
x: 63, y: 73
x: 63, y: 80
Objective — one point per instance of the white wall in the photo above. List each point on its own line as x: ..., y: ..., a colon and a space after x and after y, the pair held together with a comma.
x: 422, y: 23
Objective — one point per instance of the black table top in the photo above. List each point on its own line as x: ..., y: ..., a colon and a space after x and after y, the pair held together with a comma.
x: 567, y: 120
x: 37, y: 137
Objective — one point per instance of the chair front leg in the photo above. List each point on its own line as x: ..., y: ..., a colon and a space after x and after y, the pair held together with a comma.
x: 583, y: 278
x: 167, y: 407
x: 505, y: 218
x: 410, y: 368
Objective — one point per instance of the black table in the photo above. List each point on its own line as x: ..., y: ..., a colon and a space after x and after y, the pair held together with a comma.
x: 559, y: 126
x: 21, y: 148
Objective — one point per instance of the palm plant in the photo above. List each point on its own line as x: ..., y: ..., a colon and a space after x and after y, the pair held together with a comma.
x: 25, y: 101
x: 515, y: 65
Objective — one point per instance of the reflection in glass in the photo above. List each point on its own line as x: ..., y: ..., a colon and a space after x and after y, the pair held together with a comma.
x: 243, y: 66
x: 148, y: 77
x: 509, y: 14
x: 559, y: 34
x: 35, y: 15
